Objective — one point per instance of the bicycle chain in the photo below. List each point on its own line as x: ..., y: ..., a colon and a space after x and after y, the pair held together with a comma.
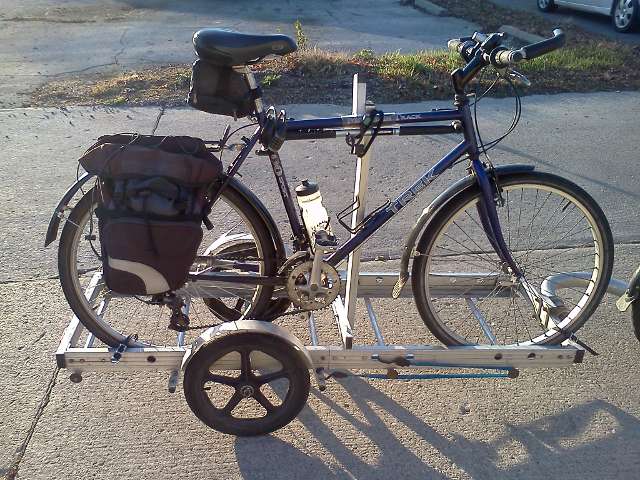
x: 291, y: 261
x: 285, y: 314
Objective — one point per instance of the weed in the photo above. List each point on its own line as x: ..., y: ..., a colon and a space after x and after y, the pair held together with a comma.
x: 270, y: 79
x: 301, y: 37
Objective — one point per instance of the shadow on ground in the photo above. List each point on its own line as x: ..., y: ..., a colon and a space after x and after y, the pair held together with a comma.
x: 547, y: 444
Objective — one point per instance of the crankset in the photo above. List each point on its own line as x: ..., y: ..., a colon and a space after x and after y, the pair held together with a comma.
x: 309, y: 293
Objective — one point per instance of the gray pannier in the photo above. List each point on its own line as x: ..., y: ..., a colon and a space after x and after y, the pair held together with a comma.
x: 152, y: 197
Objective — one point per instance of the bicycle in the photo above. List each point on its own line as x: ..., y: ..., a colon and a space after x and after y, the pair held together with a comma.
x: 499, y: 231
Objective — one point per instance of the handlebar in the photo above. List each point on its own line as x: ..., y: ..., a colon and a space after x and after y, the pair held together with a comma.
x: 504, y: 58
x: 500, y: 57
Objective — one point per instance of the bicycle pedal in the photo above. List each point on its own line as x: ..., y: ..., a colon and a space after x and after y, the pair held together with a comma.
x: 325, y: 241
x: 179, y: 322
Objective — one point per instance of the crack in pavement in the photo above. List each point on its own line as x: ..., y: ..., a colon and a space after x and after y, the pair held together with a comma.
x: 160, y: 114
x: 116, y: 62
x: 29, y: 280
x: 121, y: 41
x: 59, y: 74
x: 12, y: 472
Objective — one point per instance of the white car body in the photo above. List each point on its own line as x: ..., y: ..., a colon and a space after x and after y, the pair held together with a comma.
x: 603, y: 7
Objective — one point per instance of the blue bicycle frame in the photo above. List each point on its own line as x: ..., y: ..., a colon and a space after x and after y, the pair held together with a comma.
x: 459, y: 121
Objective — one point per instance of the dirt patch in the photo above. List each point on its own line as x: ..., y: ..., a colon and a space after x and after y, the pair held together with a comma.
x: 322, y: 77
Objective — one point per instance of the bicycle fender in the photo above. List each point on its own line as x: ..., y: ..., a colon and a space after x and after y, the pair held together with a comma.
x: 58, y: 213
x: 265, y: 216
x: 632, y: 293
x: 242, y: 326
x: 432, y: 208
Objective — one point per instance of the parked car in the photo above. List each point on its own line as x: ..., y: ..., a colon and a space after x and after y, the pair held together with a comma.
x: 624, y: 13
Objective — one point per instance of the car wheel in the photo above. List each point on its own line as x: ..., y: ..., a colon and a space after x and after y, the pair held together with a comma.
x: 624, y: 15
x: 546, y: 5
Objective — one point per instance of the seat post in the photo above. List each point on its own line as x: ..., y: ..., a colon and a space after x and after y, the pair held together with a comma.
x: 253, y: 85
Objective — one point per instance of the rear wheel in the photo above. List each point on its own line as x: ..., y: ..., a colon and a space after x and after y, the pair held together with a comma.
x: 238, y: 235
x: 557, y: 235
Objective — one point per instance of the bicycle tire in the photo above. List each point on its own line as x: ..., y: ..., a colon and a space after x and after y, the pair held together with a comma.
x: 200, y: 368
x: 435, y: 243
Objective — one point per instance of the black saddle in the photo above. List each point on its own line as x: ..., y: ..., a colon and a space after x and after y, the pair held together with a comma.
x: 223, y: 47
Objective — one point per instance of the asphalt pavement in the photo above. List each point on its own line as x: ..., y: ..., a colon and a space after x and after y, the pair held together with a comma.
x: 583, y: 421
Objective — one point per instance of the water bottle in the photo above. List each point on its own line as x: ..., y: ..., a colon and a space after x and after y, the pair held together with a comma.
x: 314, y: 215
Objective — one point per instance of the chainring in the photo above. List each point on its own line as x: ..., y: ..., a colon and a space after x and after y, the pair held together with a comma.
x: 303, y: 296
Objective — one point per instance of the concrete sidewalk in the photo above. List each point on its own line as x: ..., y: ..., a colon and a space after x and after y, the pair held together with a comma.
x: 582, y: 421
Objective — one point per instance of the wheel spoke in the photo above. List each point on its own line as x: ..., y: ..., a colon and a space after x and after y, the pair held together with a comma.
x: 270, y: 377
x: 245, y: 364
x: 232, y: 403
x: 222, y: 379
x: 264, y: 401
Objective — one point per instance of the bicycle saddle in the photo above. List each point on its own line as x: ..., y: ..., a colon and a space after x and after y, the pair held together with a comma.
x: 224, y: 47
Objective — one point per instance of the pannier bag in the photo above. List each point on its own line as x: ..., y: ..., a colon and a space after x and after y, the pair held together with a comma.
x: 152, y: 197
x: 221, y: 90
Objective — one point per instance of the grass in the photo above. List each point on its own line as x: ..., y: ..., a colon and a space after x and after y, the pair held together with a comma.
x: 313, y: 75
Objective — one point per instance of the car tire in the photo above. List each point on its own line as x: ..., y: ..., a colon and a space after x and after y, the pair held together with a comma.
x: 624, y: 15
x: 546, y: 5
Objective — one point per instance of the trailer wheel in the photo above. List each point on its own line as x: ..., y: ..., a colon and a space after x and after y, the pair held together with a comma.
x: 246, y: 384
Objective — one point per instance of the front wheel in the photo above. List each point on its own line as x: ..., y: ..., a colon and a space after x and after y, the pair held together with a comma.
x: 559, y: 238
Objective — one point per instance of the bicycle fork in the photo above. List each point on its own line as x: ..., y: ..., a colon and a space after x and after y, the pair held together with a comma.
x: 489, y: 217
x: 544, y: 306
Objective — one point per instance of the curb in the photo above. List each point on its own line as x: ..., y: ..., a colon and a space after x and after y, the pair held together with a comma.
x: 520, y: 34
x: 428, y: 7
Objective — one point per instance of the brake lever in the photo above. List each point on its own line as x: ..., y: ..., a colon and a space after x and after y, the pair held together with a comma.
x: 518, y: 77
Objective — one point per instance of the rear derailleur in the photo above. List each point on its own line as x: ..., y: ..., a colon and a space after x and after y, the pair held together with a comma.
x: 179, y: 320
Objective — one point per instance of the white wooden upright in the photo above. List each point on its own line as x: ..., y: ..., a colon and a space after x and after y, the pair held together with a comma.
x: 359, y: 195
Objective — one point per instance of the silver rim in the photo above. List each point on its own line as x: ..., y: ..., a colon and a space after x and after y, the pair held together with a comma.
x: 544, y: 3
x: 135, y: 313
x: 623, y: 13
x: 503, y: 316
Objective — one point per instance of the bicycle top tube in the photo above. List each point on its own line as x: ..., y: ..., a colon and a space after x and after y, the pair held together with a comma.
x: 352, y: 121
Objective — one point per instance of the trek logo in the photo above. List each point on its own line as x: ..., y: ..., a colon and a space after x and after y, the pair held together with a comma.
x: 412, y: 193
